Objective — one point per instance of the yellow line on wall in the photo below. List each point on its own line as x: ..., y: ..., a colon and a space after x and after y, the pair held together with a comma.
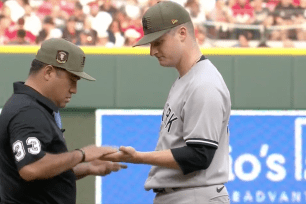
x: 146, y: 51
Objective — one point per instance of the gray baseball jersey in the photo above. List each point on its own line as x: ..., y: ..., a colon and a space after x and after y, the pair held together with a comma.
x: 197, y: 111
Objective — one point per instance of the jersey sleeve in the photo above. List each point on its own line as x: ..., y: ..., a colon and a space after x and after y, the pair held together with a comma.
x: 203, y: 116
x: 30, y: 134
x: 193, y: 158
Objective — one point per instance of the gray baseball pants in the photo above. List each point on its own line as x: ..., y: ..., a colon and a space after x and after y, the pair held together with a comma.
x: 194, y: 195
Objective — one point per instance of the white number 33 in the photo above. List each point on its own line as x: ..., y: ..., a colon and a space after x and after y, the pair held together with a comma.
x: 18, y: 148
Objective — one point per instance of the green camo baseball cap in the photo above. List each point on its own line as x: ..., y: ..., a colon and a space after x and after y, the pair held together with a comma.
x: 64, y: 54
x: 161, y: 18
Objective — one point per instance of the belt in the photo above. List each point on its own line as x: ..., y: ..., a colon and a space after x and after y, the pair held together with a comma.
x: 164, y: 190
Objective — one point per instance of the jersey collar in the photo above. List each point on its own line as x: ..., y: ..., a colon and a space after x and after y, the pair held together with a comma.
x: 21, y: 88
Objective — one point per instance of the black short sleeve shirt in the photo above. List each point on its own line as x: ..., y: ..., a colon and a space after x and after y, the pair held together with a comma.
x: 27, y: 132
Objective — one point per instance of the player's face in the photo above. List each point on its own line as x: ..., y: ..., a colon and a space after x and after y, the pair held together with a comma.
x: 166, y: 49
x: 65, y: 84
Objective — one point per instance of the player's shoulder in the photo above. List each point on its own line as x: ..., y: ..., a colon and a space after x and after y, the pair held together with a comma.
x: 205, y: 73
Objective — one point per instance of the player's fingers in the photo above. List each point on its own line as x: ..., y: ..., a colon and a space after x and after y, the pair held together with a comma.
x: 108, y: 150
x: 123, y: 166
x: 115, y: 157
x: 128, y: 149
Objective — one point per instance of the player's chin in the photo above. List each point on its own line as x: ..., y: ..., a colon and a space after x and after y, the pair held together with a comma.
x: 164, y: 64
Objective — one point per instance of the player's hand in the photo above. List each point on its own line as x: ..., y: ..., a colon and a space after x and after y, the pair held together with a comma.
x: 103, y: 168
x: 126, y: 154
x: 93, y: 152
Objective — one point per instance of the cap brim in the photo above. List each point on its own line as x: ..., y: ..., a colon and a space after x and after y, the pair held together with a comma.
x: 83, y: 75
x: 146, y: 39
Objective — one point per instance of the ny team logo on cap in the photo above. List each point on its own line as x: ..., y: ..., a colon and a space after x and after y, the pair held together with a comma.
x: 146, y: 23
x: 62, y: 56
x: 83, y: 62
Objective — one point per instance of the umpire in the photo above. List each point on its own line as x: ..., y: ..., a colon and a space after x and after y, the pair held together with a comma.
x: 35, y: 165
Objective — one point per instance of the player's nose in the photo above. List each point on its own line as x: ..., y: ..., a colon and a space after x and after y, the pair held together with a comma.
x: 153, y: 50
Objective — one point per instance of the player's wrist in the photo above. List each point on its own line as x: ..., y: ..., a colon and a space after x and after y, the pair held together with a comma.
x: 138, y: 158
x: 82, y: 153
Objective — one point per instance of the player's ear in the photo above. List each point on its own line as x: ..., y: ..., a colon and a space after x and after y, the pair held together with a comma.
x: 182, y: 31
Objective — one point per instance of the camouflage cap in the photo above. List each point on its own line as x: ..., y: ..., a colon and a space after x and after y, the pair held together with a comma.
x: 64, y: 54
x: 161, y: 18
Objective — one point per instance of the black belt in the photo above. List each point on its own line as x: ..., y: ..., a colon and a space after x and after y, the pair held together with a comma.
x: 164, y: 190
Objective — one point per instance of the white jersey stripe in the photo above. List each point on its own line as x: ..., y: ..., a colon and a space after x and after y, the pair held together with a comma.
x: 201, y: 142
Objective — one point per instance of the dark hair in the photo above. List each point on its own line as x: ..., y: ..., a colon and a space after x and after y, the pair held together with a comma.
x: 78, y: 5
x: 21, y: 33
x: 36, y: 66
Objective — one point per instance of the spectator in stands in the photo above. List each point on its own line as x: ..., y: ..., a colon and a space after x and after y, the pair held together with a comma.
x: 262, y: 16
x: 70, y: 33
x: 271, y: 4
x: 100, y: 20
x: 263, y: 44
x: 67, y: 6
x: 9, y: 25
x: 221, y: 14
x: 108, y: 7
x: 296, y: 3
x: 88, y: 36
x: 29, y: 36
x: 133, y: 15
x: 45, y: 9
x: 123, y: 19
x: 288, y: 43
x: 243, y: 13
x: 131, y: 36
x: 243, y: 40
x: 103, y: 40
x: 31, y: 21
x: 17, y: 8
x: 115, y: 34
x: 197, y: 15
x: 48, y: 31
x: 59, y: 17
x: 201, y: 38
x: 20, y: 38
x: 284, y: 15
x: 134, y: 22
x: 4, y: 24
x: 79, y: 16
x: 301, y: 19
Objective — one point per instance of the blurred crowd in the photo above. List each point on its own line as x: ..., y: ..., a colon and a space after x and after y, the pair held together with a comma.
x: 117, y: 23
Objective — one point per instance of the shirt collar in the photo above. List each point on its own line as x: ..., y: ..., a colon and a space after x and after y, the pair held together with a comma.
x: 21, y: 88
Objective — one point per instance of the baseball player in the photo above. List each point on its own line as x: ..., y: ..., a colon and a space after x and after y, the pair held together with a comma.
x: 191, y: 161
x: 35, y: 165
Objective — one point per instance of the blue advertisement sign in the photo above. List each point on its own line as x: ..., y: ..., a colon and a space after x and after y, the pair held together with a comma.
x: 267, y: 155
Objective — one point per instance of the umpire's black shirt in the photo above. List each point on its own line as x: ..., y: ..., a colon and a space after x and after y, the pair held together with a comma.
x: 27, y: 132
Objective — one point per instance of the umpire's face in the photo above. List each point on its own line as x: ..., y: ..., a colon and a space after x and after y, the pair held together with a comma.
x: 62, y: 85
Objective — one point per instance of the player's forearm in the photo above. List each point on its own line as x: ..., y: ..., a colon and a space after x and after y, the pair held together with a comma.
x: 162, y: 158
x: 50, y: 165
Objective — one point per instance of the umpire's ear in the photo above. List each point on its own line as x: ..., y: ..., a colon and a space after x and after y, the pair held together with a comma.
x: 48, y: 72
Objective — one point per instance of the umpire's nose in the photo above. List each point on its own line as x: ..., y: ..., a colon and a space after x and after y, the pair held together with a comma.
x: 153, y: 50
